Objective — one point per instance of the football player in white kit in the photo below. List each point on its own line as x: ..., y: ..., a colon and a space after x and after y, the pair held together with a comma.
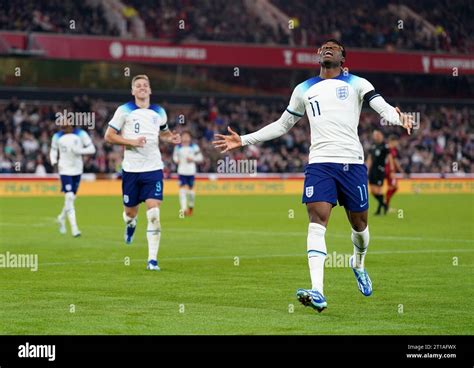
x: 336, y: 171
x: 186, y: 155
x: 70, y: 144
x: 139, y: 125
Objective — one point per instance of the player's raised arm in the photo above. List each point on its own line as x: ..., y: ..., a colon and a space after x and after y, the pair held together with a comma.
x: 287, y: 120
x: 269, y: 132
x: 391, y: 114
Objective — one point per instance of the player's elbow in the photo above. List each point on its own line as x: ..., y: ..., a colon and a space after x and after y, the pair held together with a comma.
x: 108, y: 137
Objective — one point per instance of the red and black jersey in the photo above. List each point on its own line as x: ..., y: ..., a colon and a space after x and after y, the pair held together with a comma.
x: 394, y: 153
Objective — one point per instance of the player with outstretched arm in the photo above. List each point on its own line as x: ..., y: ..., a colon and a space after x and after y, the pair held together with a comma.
x: 139, y: 125
x: 336, y: 171
x: 70, y: 144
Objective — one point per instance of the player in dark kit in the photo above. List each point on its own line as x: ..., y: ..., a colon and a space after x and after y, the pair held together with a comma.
x: 378, y: 155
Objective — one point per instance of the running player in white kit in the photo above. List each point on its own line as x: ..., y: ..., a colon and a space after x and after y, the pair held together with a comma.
x: 139, y: 126
x: 70, y: 144
x: 186, y: 155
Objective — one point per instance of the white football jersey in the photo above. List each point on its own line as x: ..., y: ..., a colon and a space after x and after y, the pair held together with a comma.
x: 333, y: 107
x: 182, y: 153
x: 64, y: 144
x: 133, y: 122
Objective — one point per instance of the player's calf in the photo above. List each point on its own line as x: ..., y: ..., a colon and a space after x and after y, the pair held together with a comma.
x: 153, y: 235
x: 71, y: 213
x: 130, y: 226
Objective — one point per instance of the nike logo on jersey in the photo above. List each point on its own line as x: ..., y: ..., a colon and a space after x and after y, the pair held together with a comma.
x: 363, y: 204
x: 309, y: 98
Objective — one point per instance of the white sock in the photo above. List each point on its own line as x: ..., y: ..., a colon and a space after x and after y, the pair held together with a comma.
x: 153, y: 232
x: 182, y: 199
x: 62, y: 215
x: 317, y: 251
x: 130, y: 221
x: 191, y: 196
x: 360, y: 240
x: 71, y: 211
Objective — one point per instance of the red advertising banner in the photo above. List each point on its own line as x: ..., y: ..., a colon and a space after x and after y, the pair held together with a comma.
x: 237, y: 55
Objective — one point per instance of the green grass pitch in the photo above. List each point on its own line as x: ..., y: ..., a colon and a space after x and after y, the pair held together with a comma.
x: 421, y: 261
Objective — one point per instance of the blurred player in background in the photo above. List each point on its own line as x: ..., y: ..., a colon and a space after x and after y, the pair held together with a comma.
x: 139, y: 125
x: 70, y: 144
x: 391, y: 168
x: 376, y: 161
x: 336, y: 170
x: 186, y: 155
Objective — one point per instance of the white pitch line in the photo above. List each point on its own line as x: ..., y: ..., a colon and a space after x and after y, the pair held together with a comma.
x: 303, y: 233
x: 268, y: 233
x: 260, y: 256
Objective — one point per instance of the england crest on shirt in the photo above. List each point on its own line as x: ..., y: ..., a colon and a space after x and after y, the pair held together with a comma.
x: 342, y: 92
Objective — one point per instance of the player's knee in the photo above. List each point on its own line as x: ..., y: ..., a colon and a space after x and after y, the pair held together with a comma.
x: 69, y: 200
x: 318, y: 217
x: 359, y: 224
x: 130, y: 212
x: 129, y: 216
x: 153, y: 216
x: 70, y: 196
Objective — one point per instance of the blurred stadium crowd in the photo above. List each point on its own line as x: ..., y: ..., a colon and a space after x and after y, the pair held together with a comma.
x: 443, y: 142
x: 424, y: 28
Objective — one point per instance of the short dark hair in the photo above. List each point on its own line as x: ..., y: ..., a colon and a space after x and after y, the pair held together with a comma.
x: 393, y: 137
x: 337, y: 43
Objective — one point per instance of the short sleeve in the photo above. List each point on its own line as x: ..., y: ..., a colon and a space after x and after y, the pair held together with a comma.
x: 118, y: 120
x: 163, y: 118
x: 296, y: 106
x: 85, y: 138
x: 363, y: 87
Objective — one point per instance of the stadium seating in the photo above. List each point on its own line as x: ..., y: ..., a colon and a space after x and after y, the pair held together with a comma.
x: 423, y: 26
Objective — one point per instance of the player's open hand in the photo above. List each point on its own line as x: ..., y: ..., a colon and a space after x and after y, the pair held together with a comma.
x: 227, y: 142
x: 406, y: 119
x: 139, y: 142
